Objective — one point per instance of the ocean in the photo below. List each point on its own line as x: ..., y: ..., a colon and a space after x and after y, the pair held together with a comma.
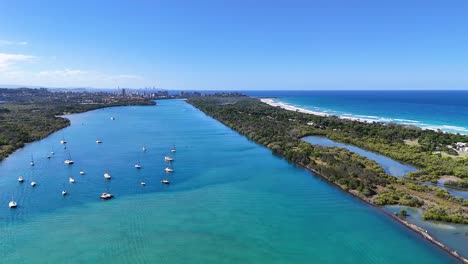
x: 229, y: 201
x: 445, y: 110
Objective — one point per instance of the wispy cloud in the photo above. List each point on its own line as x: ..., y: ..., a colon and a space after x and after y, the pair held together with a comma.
x: 9, y: 43
x: 6, y: 60
x: 62, y: 73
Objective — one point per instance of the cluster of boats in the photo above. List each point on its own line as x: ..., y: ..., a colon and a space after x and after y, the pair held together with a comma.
x: 105, y: 195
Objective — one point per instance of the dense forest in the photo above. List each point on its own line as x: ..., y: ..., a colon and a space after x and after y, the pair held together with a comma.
x: 27, y: 115
x: 281, y: 131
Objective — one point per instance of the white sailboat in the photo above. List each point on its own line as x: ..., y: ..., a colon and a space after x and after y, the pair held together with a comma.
x: 112, y: 118
x: 143, y: 148
x: 20, y: 179
x: 165, y: 180
x: 64, y: 192
x: 63, y: 141
x: 107, y: 176
x: 173, y: 149
x: 143, y: 183
x: 169, y: 169
x: 33, y: 183
x: 138, y: 165
x: 32, y: 160
x: 106, y: 196
x: 82, y: 172
x: 69, y: 160
x: 98, y: 141
x: 12, y: 204
x: 168, y: 159
x: 71, y: 180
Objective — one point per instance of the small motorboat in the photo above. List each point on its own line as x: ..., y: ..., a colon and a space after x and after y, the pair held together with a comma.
x: 68, y: 162
x: 98, y: 141
x: 106, y: 196
x: 71, y: 180
x: 107, y: 176
x: 143, y: 148
x: 168, y: 169
x: 138, y: 166
x: 33, y: 184
x: 143, y: 183
x: 48, y: 156
x: 64, y: 192
x: 112, y: 118
x: 82, y: 173
x: 12, y: 204
x: 20, y: 179
x: 167, y: 158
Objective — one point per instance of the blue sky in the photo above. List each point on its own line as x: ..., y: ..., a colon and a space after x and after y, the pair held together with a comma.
x: 235, y: 44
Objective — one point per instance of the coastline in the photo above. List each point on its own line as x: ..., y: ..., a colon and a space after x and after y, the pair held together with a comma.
x: 405, y: 122
x: 415, y: 228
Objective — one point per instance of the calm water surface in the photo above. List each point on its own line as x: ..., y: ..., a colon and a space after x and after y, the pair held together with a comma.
x: 230, y: 200
x: 390, y: 166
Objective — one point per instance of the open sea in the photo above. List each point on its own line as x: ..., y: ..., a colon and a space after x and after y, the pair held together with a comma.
x: 445, y: 110
x: 229, y: 201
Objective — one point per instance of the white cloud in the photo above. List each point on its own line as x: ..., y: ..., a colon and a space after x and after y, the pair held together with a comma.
x: 61, y: 73
x: 9, y: 43
x: 6, y: 60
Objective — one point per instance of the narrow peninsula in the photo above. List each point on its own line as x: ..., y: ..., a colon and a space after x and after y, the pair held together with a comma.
x: 282, y: 131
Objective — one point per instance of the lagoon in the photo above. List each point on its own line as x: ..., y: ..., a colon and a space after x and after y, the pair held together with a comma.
x: 230, y: 200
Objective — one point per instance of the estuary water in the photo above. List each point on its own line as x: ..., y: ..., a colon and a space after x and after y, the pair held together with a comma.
x: 390, y: 166
x: 229, y: 201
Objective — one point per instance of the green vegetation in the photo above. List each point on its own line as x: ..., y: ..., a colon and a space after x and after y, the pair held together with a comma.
x: 281, y: 131
x: 27, y: 115
x: 463, y: 184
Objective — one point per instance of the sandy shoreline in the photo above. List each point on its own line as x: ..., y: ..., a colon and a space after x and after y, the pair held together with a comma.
x: 273, y: 102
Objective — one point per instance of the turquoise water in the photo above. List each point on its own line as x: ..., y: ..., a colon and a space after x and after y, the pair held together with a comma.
x: 390, y: 166
x: 446, y: 110
x: 453, y: 235
x: 230, y: 200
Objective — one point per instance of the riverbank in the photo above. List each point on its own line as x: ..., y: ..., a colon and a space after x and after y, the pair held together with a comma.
x: 29, y: 115
x: 281, y: 131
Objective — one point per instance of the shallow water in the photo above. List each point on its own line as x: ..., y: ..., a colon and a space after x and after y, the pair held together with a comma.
x: 230, y: 200
x: 390, y: 166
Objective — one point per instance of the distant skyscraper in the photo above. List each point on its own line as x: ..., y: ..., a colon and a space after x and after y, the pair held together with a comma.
x: 123, y: 92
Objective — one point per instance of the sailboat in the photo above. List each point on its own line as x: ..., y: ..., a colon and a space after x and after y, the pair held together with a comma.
x: 32, y: 160
x: 71, y: 180
x: 169, y: 169
x: 168, y: 159
x: 165, y: 180
x: 12, y: 203
x: 64, y: 192
x: 143, y: 183
x: 20, y: 179
x: 173, y: 149
x: 69, y: 161
x: 112, y: 118
x: 143, y: 148
x: 82, y: 172
x: 138, y: 165
x: 98, y: 141
x: 106, y: 195
x: 33, y: 183
x: 63, y: 141
x: 107, y: 176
